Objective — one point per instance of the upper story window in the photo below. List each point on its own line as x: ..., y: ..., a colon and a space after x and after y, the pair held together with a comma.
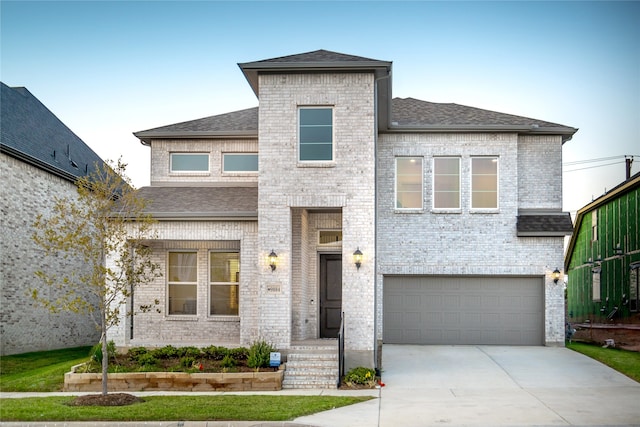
x: 182, y: 281
x: 316, y: 134
x: 594, y: 225
x: 484, y: 183
x: 240, y: 162
x: 446, y: 183
x: 189, y: 162
x: 408, y: 183
x: 224, y: 275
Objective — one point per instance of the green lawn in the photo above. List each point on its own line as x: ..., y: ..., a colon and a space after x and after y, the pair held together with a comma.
x: 625, y: 362
x: 176, y: 408
x: 39, y: 371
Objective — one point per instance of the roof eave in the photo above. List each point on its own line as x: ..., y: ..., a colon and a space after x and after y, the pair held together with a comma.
x: 145, y: 137
x: 205, y: 216
x: 544, y: 233
x: 565, y: 131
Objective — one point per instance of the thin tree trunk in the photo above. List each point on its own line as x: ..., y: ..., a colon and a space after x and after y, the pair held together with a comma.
x: 105, y: 355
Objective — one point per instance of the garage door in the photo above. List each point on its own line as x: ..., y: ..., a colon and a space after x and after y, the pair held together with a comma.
x: 463, y: 310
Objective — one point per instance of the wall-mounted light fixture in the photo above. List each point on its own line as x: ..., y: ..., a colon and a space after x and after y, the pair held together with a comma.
x: 617, y: 251
x: 555, y: 275
x: 273, y: 259
x: 357, y: 258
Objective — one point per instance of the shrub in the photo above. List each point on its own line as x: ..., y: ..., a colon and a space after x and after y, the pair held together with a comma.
x: 215, y: 353
x: 259, y: 354
x: 240, y: 353
x: 360, y: 376
x: 228, y: 362
x: 194, y: 352
x: 135, y: 353
x: 187, y: 362
x: 147, y: 360
x: 166, y: 352
x: 96, y: 351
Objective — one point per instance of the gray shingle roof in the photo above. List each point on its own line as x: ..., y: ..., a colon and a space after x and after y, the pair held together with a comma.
x: 544, y: 224
x: 201, y: 202
x: 316, y: 56
x: 31, y: 132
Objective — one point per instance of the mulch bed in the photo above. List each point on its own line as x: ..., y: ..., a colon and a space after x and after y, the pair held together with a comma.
x: 111, y: 399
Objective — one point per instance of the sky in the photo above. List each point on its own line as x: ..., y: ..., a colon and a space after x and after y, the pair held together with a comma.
x: 108, y: 69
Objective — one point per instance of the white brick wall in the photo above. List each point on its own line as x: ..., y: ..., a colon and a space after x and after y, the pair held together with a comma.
x: 24, y: 326
x: 468, y: 243
x: 347, y: 183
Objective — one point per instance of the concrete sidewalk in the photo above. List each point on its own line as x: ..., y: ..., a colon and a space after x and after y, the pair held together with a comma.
x: 469, y: 386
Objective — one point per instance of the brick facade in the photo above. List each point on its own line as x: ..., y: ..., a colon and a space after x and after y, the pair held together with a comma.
x: 25, y: 326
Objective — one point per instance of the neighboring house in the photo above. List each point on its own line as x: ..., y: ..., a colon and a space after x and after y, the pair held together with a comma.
x: 423, y: 223
x: 603, y: 258
x: 40, y: 159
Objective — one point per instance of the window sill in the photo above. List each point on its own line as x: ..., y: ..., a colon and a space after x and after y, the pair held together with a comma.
x: 222, y: 318
x: 446, y: 211
x: 319, y: 164
x: 484, y: 211
x: 408, y: 211
x: 181, y: 317
x: 189, y: 173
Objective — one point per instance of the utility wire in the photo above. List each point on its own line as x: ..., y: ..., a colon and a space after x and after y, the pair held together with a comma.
x: 601, y: 159
x: 591, y: 167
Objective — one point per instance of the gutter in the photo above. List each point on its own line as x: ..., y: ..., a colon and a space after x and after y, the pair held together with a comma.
x: 17, y: 154
x: 566, y: 132
x: 145, y: 137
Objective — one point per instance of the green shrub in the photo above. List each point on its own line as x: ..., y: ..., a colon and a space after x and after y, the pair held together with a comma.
x: 187, y: 362
x: 259, y: 354
x: 194, y: 352
x: 215, y: 353
x: 165, y: 352
x: 360, y: 376
x: 229, y: 362
x: 147, y: 360
x: 240, y: 353
x: 96, y: 351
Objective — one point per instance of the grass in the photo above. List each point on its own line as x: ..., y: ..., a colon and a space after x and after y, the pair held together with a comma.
x: 39, y: 371
x: 176, y: 408
x: 623, y: 361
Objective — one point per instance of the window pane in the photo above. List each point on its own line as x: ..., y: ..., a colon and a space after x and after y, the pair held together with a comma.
x: 182, y: 299
x: 484, y: 183
x: 316, y: 134
x: 316, y: 151
x: 446, y: 183
x: 596, y: 286
x: 225, y: 267
x: 240, y: 163
x: 329, y: 236
x: 189, y: 162
x: 223, y: 300
x: 183, y: 267
x: 409, y: 183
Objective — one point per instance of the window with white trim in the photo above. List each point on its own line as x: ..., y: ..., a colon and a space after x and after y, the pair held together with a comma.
x: 182, y: 277
x: 484, y: 183
x: 224, y: 276
x: 189, y: 162
x: 409, y: 183
x: 446, y: 183
x: 315, y: 134
x: 594, y: 225
x: 240, y: 162
x: 595, y: 284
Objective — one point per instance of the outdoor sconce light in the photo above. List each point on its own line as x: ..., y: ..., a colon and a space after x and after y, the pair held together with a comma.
x: 273, y: 258
x: 555, y: 275
x: 357, y: 258
x: 617, y: 251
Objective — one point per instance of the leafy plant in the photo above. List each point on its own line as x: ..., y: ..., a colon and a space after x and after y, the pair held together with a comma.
x: 166, y: 352
x: 194, y: 352
x: 240, y: 353
x: 96, y: 351
x: 215, y: 353
x: 229, y: 362
x: 360, y: 376
x: 187, y: 362
x: 259, y: 354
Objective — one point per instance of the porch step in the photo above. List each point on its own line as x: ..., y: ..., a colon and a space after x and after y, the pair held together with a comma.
x: 312, y: 366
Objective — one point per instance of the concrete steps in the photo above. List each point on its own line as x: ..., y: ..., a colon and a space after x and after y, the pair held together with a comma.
x: 312, y: 366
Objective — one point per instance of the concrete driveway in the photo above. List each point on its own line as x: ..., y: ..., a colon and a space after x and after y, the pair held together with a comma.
x: 492, y: 386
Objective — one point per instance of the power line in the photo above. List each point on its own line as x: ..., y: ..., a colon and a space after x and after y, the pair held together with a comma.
x: 597, y: 166
x: 601, y: 159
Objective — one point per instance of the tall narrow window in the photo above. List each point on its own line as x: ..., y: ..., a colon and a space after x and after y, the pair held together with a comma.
x: 183, y: 282
x: 484, y: 183
x: 224, y: 276
x: 446, y: 183
x: 409, y: 183
x: 189, y: 162
x: 594, y: 225
x: 634, y: 288
x: 595, y: 284
x: 316, y: 134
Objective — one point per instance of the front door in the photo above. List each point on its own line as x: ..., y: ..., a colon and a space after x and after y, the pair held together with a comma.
x: 330, y: 294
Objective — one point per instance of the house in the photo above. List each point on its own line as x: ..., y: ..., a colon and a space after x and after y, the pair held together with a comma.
x: 423, y: 223
x: 603, y: 258
x: 40, y: 158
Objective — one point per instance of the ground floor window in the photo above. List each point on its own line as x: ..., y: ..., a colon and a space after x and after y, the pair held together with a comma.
x: 224, y: 275
x: 182, y: 275
x: 634, y: 287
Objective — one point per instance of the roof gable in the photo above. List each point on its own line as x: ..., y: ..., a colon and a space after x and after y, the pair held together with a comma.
x: 32, y: 133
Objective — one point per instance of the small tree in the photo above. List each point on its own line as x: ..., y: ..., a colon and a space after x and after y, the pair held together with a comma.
x: 106, y: 222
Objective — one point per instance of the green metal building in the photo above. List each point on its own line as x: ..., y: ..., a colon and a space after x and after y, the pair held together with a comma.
x: 603, y: 258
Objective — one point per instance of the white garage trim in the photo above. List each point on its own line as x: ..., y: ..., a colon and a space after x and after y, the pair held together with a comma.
x: 463, y: 310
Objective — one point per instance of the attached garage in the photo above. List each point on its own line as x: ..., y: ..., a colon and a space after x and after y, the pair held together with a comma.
x: 463, y: 310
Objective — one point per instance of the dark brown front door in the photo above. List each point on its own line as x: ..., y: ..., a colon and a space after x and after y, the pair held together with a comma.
x: 330, y: 294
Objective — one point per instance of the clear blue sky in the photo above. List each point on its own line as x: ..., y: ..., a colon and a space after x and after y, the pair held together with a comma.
x: 108, y: 69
